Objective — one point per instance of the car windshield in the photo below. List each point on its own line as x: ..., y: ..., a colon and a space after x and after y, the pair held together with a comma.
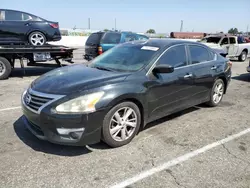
x: 125, y: 58
x: 215, y: 40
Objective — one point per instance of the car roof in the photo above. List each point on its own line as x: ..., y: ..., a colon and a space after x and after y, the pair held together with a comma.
x: 23, y: 12
x: 163, y: 43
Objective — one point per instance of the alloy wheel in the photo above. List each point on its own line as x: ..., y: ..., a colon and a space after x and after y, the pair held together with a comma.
x: 218, y: 93
x: 37, y: 39
x: 123, y: 124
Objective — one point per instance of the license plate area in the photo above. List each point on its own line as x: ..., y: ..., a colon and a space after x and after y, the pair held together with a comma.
x: 41, y: 56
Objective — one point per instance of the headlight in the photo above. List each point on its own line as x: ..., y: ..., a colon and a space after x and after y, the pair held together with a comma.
x: 84, y: 103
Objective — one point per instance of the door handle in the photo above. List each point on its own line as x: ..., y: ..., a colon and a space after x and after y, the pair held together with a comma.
x: 213, y: 68
x: 188, y: 76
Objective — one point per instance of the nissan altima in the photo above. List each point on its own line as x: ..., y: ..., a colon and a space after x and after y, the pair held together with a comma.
x: 122, y: 90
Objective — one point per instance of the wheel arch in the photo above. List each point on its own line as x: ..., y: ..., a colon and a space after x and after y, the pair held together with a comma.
x: 223, y: 78
x: 37, y: 30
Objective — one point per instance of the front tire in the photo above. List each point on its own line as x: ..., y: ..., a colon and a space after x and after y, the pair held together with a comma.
x: 121, y: 124
x: 37, y: 39
x: 5, y: 68
x: 243, y: 56
x: 216, y: 93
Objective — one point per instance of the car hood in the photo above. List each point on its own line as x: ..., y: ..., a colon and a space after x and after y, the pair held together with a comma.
x: 75, y: 78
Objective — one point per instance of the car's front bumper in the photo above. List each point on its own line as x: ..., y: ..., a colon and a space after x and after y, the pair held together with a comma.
x: 77, y: 130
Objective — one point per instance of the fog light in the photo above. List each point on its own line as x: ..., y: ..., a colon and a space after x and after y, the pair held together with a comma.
x: 64, y: 131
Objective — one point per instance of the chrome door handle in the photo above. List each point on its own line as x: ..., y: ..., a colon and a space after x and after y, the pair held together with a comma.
x: 188, y: 76
x: 213, y: 68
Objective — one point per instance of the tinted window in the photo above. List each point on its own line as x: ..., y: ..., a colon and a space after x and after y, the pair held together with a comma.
x: 211, y: 39
x: 13, y: 16
x: 94, y: 38
x: 232, y: 40
x: 175, y: 56
x: 129, y: 38
x: 199, y: 54
x: 111, y: 38
x: 26, y: 17
x: 127, y: 57
x: 141, y: 37
x: 224, y: 41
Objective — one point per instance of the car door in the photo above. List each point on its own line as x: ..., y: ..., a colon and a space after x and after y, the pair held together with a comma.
x: 16, y: 25
x: 225, y: 44
x: 233, y: 47
x: 169, y: 92
x: 203, y: 67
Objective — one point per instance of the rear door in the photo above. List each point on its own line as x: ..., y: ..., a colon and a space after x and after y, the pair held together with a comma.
x: 203, y: 67
x: 92, y: 44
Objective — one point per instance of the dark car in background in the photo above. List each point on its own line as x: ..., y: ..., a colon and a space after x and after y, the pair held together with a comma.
x: 18, y: 27
x: 99, y: 42
x: 122, y: 90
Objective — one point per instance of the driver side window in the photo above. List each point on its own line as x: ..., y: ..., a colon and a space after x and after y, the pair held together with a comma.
x: 224, y: 41
x: 175, y: 56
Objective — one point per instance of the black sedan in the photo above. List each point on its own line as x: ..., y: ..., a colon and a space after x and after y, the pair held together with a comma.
x: 122, y: 90
x: 20, y: 27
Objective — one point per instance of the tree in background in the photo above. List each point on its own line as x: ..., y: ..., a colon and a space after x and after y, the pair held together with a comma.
x: 233, y: 31
x: 105, y: 30
x: 151, y: 31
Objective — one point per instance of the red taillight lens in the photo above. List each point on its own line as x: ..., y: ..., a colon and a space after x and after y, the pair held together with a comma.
x: 54, y: 25
x: 99, y: 50
x: 230, y: 64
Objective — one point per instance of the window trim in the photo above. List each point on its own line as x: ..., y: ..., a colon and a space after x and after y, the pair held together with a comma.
x: 188, y: 58
x: 209, y: 54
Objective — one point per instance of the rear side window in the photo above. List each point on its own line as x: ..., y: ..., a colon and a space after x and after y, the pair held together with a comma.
x: 199, y: 54
x: 175, y: 56
x: 129, y: 38
x: 94, y: 38
x: 232, y: 40
x: 1, y: 15
x: 111, y: 38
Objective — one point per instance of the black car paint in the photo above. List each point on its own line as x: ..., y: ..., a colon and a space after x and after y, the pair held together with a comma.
x: 157, y: 95
x: 18, y: 31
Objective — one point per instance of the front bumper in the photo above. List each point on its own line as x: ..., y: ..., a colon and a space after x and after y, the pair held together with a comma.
x: 75, y: 130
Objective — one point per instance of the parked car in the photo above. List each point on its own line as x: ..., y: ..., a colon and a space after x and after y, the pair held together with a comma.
x: 99, y: 42
x: 20, y: 27
x: 232, y: 44
x: 122, y: 90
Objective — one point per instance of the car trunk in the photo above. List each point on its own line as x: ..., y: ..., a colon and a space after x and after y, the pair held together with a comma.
x: 92, y: 44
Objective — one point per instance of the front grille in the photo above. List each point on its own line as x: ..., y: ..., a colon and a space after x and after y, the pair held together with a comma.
x: 35, y: 101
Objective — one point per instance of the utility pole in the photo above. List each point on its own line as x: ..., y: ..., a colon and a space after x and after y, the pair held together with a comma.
x: 181, y: 26
x: 115, y: 23
x: 89, y: 23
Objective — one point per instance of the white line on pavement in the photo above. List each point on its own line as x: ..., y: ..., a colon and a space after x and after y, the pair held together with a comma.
x: 8, y: 109
x: 177, y: 160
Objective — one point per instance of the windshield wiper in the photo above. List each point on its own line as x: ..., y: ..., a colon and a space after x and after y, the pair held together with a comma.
x: 103, y: 68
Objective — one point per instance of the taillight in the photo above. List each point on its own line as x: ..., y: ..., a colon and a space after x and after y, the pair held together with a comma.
x: 230, y: 64
x: 54, y: 25
x: 99, y: 50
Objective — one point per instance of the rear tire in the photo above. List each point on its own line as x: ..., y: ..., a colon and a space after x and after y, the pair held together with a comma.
x: 216, y: 93
x: 5, y: 68
x: 118, y: 130
x: 37, y: 39
x: 243, y: 56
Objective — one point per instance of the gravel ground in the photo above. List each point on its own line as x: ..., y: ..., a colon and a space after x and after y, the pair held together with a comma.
x: 28, y: 162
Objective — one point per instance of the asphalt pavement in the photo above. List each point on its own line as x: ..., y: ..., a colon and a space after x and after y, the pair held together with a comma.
x: 182, y: 150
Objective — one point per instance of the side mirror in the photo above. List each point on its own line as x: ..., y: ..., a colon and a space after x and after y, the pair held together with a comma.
x: 163, y: 69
